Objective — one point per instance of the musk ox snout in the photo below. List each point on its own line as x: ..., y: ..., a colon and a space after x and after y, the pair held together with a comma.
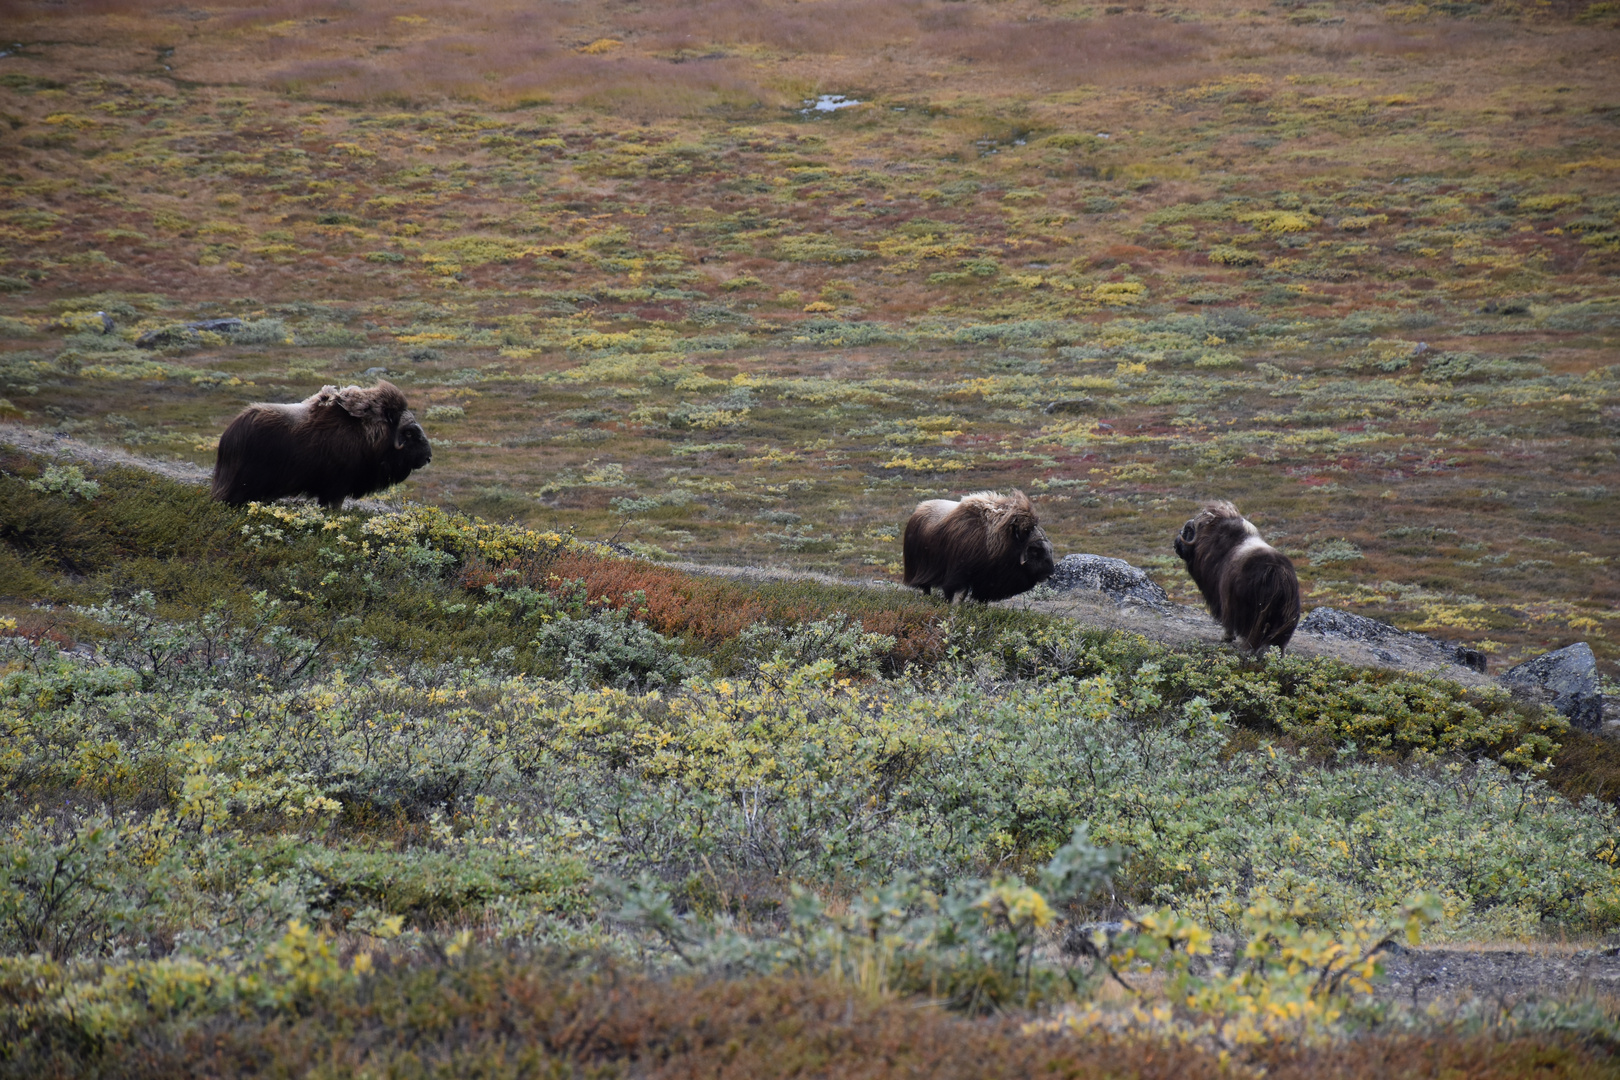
x: 988, y: 546
x: 1250, y: 586
x: 333, y: 445
x: 1039, y: 559
x: 411, y: 443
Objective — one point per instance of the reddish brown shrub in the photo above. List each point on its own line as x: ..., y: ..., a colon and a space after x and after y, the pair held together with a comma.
x: 509, y: 1018
x: 716, y: 609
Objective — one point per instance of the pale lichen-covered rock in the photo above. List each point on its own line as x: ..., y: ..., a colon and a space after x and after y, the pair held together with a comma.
x: 1570, y: 677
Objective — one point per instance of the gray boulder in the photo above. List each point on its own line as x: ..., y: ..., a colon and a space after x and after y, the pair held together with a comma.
x: 1570, y: 677
x: 1114, y: 578
x: 1331, y: 622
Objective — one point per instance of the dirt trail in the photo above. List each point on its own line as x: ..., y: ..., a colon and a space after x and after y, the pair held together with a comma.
x: 1173, y: 624
x: 63, y: 447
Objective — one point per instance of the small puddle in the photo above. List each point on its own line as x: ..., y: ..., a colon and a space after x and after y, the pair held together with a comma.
x: 828, y: 103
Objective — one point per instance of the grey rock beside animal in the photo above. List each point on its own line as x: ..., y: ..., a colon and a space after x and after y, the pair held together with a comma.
x: 1114, y: 578
x: 333, y: 445
x: 988, y: 547
x: 1250, y: 586
x: 1569, y: 676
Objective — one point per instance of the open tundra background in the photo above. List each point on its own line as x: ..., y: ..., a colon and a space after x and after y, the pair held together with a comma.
x: 436, y: 783
x: 1351, y: 266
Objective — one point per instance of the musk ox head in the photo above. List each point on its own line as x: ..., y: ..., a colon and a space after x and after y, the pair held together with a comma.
x: 988, y: 546
x: 1250, y: 586
x: 333, y: 445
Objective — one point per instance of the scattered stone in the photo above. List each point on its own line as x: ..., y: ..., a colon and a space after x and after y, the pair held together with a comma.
x: 374, y: 372
x: 1570, y: 677
x: 1114, y: 578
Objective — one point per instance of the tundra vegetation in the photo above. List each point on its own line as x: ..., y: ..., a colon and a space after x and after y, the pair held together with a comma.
x: 291, y: 791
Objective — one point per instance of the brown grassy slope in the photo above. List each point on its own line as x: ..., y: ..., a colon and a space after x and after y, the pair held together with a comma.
x: 500, y: 1020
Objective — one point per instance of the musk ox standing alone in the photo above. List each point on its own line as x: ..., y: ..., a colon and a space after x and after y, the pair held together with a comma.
x: 1249, y: 585
x: 336, y: 444
x: 988, y: 546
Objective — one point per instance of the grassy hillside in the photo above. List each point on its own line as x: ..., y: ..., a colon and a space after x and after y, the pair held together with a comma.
x: 459, y: 789
x: 1351, y: 265
x: 269, y: 763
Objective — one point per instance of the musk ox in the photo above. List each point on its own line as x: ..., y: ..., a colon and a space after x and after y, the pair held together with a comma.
x: 988, y: 546
x: 335, y: 444
x: 1249, y: 585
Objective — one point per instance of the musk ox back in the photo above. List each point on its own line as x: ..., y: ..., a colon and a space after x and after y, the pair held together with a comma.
x: 1249, y: 585
x: 988, y: 546
x: 333, y: 445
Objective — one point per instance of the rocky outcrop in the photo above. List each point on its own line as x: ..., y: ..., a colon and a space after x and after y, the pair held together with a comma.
x: 1383, y: 638
x: 1114, y: 578
x: 1569, y: 678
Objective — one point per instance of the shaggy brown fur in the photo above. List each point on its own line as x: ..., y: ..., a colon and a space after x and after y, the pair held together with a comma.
x: 1250, y: 586
x: 332, y: 445
x: 988, y: 546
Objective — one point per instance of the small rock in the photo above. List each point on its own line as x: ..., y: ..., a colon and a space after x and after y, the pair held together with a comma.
x: 373, y: 372
x: 1570, y: 675
x: 1071, y: 405
x: 1470, y: 658
x: 1115, y: 578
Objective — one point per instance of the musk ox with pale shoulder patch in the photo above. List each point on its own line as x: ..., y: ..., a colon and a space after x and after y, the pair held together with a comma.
x: 1250, y: 586
x: 988, y: 546
x: 332, y: 445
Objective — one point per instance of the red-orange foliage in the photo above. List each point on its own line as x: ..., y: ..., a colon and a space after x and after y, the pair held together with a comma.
x: 715, y: 609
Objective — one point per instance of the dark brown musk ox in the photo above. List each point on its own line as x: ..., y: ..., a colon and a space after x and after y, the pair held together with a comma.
x: 1250, y: 586
x: 988, y: 546
x: 332, y: 445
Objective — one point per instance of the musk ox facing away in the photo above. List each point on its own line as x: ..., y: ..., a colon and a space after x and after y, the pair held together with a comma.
x: 1249, y: 585
x: 335, y: 444
x: 988, y: 546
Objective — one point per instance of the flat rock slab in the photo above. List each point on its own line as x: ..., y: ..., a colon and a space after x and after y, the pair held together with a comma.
x: 1569, y: 677
x: 1383, y: 638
